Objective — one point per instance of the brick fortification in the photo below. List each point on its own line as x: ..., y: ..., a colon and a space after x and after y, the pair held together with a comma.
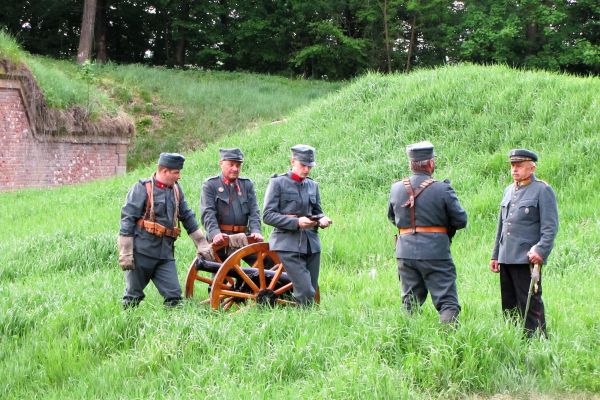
x: 41, y: 147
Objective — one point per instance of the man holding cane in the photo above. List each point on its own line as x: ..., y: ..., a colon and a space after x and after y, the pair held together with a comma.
x: 527, y: 226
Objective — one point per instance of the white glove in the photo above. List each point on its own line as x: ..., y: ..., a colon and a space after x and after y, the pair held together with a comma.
x: 125, y: 244
x: 238, y: 241
x: 203, y: 248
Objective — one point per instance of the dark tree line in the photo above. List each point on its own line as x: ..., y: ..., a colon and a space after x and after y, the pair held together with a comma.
x: 319, y: 38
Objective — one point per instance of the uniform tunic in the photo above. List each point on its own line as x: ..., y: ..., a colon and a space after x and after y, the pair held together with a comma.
x: 228, y: 204
x: 424, y: 259
x: 528, y: 220
x: 153, y: 256
x: 285, y: 201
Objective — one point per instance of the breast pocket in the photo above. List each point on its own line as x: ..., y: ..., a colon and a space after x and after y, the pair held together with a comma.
x: 290, y: 203
x: 528, y: 210
x: 504, y: 207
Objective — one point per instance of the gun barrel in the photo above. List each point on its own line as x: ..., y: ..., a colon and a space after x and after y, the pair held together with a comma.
x: 213, y: 267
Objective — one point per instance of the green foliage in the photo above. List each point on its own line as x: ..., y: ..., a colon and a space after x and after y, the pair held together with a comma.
x: 63, y: 334
x: 337, y: 39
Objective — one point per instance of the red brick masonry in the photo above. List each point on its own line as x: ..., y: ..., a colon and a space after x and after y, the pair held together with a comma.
x: 33, y: 159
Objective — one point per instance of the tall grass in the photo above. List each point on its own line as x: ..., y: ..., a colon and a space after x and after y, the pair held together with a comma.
x: 63, y: 333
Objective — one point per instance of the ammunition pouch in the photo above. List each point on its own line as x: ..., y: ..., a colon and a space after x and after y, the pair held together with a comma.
x: 157, y: 229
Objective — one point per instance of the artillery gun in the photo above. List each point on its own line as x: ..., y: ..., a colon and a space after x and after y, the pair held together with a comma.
x: 253, y: 273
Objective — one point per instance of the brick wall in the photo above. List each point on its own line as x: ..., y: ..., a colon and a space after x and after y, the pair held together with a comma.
x: 32, y: 159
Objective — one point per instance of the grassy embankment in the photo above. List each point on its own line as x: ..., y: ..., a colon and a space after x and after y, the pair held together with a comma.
x: 64, y: 334
x: 173, y: 110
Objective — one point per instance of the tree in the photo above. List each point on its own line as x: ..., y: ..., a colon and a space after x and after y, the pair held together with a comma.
x: 86, y: 36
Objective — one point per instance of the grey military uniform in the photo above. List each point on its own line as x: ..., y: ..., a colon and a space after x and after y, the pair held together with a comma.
x: 299, y: 249
x: 528, y: 220
x: 153, y: 256
x: 424, y: 259
x: 229, y: 204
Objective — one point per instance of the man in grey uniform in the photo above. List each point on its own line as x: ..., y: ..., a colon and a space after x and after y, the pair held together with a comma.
x: 527, y: 226
x: 149, y: 227
x: 427, y: 213
x: 293, y: 206
x: 228, y: 204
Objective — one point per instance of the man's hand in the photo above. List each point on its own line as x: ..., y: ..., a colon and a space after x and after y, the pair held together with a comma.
x: 534, y: 257
x: 494, y: 266
x: 220, y: 239
x: 125, y: 244
x: 203, y: 248
x: 325, y: 222
x: 257, y: 237
x: 306, y: 223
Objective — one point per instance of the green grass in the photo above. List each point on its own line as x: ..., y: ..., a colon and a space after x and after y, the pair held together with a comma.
x: 63, y: 334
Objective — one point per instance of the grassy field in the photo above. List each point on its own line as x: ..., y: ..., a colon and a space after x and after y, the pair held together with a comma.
x: 64, y: 335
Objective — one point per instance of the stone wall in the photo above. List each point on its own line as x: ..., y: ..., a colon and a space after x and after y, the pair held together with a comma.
x: 29, y: 158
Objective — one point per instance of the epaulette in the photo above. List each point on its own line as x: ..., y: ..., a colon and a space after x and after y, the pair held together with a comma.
x: 213, y: 177
x: 243, y: 178
x: 276, y: 175
x: 309, y: 178
x: 447, y: 181
x: 144, y: 181
x: 544, y: 182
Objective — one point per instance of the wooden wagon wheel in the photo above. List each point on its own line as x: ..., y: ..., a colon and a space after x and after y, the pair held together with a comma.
x: 193, y: 276
x: 260, y: 287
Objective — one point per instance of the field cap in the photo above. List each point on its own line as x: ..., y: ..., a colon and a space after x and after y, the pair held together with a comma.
x: 171, y: 160
x: 518, y: 155
x: 420, y: 151
x: 305, y: 154
x: 234, y: 154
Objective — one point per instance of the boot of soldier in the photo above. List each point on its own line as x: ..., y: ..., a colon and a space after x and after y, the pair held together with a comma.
x: 172, y: 302
x: 449, y: 317
x: 131, y: 302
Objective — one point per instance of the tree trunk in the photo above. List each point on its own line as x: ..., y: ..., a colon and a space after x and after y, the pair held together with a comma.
x: 411, y: 45
x: 387, y: 36
x: 182, y: 40
x: 100, y: 33
x: 86, y: 36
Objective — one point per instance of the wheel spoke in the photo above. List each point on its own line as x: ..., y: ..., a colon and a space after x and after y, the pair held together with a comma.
x: 246, y: 278
x: 240, y: 295
x: 260, y: 265
x: 283, y: 289
x: 276, y: 276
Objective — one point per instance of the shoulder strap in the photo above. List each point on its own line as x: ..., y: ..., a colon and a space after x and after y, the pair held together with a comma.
x: 149, y: 215
x: 412, y: 195
x: 177, y: 195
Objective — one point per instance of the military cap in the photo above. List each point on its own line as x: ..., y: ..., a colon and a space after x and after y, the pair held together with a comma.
x: 420, y: 151
x: 517, y: 155
x: 171, y: 160
x: 305, y: 154
x: 234, y: 154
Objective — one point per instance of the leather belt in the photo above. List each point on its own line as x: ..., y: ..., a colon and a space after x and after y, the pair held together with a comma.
x: 157, y: 229
x: 423, y: 229
x: 233, y: 228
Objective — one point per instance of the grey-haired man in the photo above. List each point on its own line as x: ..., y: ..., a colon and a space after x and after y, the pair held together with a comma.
x: 228, y: 203
x: 527, y: 226
x: 427, y: 214
x: 150, y: 219
x: 293, y: 206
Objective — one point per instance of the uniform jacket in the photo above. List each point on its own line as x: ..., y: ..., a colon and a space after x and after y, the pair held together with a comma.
x: 528, y: 220
x: 164, y: 207
x: 224, y: 204
x: 286, y: 199
x: 437, y: 205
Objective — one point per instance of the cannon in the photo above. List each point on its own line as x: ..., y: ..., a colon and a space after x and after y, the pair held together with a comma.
x: 253, y: 273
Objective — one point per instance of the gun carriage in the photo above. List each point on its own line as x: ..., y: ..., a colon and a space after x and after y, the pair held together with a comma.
x: 253, y: 273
